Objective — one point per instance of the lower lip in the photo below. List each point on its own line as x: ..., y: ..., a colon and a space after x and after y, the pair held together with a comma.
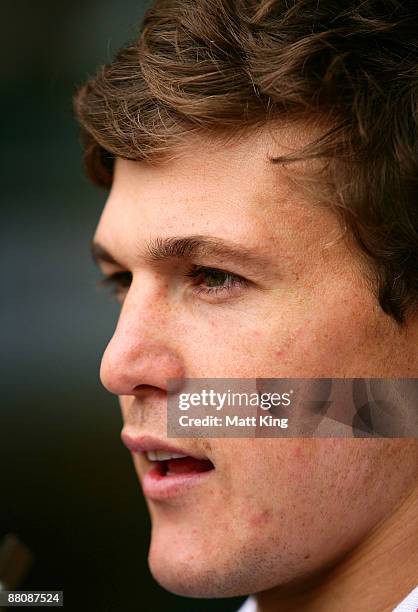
x: 158, y: 487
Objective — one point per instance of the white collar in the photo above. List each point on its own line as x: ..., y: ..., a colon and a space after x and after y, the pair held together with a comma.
x: 409, y: 604
x: 249, y: 605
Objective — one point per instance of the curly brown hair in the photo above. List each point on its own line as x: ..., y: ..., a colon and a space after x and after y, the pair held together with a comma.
x: 229, y: 66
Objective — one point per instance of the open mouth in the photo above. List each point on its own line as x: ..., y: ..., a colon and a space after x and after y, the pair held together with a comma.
x: 172, y: 472
x: 173, y: 464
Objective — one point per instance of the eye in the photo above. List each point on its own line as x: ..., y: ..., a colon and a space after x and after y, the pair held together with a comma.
x: 213, y: 281
x: 119, y: 283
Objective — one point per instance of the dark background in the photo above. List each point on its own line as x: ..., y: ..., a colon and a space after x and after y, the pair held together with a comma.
x: 68, y: 488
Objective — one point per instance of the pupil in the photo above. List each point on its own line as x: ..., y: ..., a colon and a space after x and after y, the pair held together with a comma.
x: 215, y: 278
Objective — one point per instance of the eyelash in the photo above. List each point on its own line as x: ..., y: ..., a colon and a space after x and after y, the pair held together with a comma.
x: 120, y: 281
x: 231, y: 280
x: 117, y: 282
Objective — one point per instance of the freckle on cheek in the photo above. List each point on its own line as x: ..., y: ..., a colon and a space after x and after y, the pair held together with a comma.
x: 261, y: 518
x: 302, y: 454
x: 297, y: 452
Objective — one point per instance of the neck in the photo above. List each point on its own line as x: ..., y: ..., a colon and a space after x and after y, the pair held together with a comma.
x: 376, y: 575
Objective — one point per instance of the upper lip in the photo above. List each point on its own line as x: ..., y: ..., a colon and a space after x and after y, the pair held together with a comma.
x: 144, y: 443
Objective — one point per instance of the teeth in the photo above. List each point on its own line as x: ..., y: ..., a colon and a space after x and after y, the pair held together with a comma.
x: 160, y: 455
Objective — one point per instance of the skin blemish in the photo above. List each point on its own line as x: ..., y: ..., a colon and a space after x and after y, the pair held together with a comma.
x: 261, y: 518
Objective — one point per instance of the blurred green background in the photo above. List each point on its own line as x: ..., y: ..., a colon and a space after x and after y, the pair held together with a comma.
x: 68, y: 489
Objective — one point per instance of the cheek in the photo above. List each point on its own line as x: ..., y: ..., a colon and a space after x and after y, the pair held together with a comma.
x: 219, y: 349
x: 291, y: 488
x: 249, y: 346
x: 329, y: 345
x: 322, y: 336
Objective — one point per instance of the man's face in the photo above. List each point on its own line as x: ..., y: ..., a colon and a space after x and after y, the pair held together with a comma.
x: 268, y: 288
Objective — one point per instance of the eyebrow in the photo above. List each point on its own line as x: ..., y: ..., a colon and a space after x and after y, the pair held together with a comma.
x: 189, y: 247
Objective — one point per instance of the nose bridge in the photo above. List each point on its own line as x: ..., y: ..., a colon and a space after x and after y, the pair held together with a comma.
x: 140, y: 351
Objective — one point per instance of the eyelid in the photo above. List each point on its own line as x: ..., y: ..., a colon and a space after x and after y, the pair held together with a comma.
x: 120, y: 281
x: 233, y: 283
x: 198, y: 269
x: 117, y: 275
x: 122, y: 278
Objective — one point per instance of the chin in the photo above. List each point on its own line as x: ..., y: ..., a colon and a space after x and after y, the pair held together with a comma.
x: 187, y: 569
x: 192, y: 563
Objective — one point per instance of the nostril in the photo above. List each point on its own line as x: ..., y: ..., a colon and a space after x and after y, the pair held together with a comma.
x: 145, y: 390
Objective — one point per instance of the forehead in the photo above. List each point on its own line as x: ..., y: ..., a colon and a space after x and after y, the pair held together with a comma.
x: 230, y: 189
x: 203, y: 163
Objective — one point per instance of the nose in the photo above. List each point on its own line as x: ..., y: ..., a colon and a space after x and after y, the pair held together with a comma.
x: 139, y: 352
